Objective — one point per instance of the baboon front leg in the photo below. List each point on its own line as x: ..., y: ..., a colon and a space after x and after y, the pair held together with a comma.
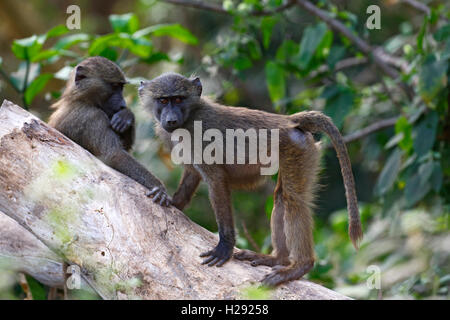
x: 280, y: 254
x: 299, y: 239
x: 220, y: 197
x: 188, y: 184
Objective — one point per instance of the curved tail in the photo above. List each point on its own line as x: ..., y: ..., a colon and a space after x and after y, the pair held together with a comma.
x: 314, y: 121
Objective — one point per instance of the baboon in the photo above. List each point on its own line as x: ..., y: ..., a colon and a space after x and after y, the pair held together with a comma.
x: 93, y: 113
x: 176, y: 102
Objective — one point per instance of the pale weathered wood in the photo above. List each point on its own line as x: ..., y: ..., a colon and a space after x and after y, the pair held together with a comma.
x: 101, y: 220
x: 23, y: 252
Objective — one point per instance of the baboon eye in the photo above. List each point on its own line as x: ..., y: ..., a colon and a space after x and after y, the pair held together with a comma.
x: 164, y: 100
x: 117, y: 86
x: 178, y: 99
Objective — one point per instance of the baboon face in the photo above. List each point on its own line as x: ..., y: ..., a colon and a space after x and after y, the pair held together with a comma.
x: 171, y: 98
x: 101, y: 82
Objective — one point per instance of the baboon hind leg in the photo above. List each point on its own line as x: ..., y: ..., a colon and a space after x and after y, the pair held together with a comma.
x: 280, y: 254
x: 298, y: 171
x: 298, y: 230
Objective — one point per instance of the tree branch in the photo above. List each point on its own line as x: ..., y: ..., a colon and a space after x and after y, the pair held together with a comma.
x: 340, y: 65
x: 418, y: 5
x: 361, y: 45
x: 422, y: 7
x: 90, y: 215
x: 219, y: 9
x: 377, y: 126
x: 379, y: 57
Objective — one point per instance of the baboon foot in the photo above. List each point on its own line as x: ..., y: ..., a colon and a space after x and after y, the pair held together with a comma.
x: 293, y: 272
x: 219, y: 255
x: 259, y: 259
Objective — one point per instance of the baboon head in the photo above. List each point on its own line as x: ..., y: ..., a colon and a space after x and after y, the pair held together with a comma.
x: 170, y: 97
x: 97, y: 81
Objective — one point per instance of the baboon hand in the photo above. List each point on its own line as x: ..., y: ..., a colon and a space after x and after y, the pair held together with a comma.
x: 159, y: 194
x: 122, y: 120
x: 219, y: 255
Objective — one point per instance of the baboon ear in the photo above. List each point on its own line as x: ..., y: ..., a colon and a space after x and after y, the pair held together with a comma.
x: 141, y: 86
x: 198, y: 86
x: 80, y: 74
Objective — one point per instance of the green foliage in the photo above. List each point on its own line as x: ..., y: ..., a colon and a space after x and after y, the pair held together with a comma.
x: 339, y: 101
x: 37, y: 290
x: 126, y: 38
x: 275, y: 81
x: 311, y: 40
x: 256, y: 293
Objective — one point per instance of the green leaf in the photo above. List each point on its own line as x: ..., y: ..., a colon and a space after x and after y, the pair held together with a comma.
x: 417, y: 185
x: 102, y: 42
x: 68, y: 41
x: 141, y: 47
x: 336, y: 54
x: 421, y: 35
x: 44, y: 55
x: 442, y: 33
x: 311, y: 39
x: 338, y: 221
x: 404, y: 127
x: 36, y: 288
x: 339, y: 103
x: 268, y: 207
x: 254, y: 50
x: 156, y: 57
x: 446, y: 53
x: 436, y: 177
x: 172, y: 30
x: 27, y: 48
x: 275, y: 80
x: 323, y: 49
x: 267, y: 24
x: 127, y: 23
x: 57, y: 31
x: 242, y: 63
x: 286, y: 50
x: 432, y: 77
x: 36, y: 86
x: 109, y: 53
x: 425, y: 133
x: 389, y: 173
x: 331, y: 91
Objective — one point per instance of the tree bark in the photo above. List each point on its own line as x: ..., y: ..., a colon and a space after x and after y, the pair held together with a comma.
x: 69, y: 206
x: 21, y: 251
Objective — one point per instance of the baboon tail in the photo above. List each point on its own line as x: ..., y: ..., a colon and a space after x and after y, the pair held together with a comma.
x: 314, y: 121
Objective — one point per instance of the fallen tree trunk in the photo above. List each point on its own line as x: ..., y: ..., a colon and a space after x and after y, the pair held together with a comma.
x: 23, y: 252
x: 90, y: 215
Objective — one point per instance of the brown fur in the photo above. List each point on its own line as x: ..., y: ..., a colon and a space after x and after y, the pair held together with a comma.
x: 299, y: 154
x: 78, y: 115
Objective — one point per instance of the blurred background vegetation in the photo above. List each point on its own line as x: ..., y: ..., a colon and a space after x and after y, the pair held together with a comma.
x: 390, y: 99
